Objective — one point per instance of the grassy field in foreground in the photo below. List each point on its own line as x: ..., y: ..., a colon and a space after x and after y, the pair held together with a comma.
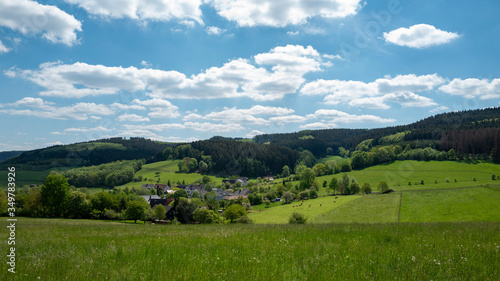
x: 87, y: 250
x: 280, y: 214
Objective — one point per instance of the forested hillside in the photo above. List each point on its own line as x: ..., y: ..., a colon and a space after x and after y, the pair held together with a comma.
x: 88, y: 153
x: 424, y: 133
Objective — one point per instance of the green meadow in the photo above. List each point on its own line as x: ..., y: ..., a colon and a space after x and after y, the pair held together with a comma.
x: 57, y: 249
x: 310, y: 208
x: 168, y: 171
x: 399, y: 173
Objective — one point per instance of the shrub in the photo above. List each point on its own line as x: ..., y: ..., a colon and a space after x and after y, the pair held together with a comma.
x: 366, y: 188
x: 493, y: 177
x: 383, y: 186
x: 245, y: 219
x: 204, y: 215
x: 234, y: 212
x: 297, y: 218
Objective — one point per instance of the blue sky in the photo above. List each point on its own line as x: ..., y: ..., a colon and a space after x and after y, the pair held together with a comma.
x: 78, y: 70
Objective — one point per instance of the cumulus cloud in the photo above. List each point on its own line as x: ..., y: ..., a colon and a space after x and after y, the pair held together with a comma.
x: 159, y: 108
x: 214, y: 30
x: 29, y: 18
x: 473, y: 88
x: 155, y: 127
x: 254, y: 133
x: 235, y: 115
x: 401, y: 89
x: 237, y: 78
x: 3, y: 48
x: 282, y: 120
x: 211, y: 127
x: 132, y: 118
x: 439, y: 108
x: 85, y: 129
x: 144, y: 10
x: 40, y: 108
x: 419, y: 36
x: 250, y: 13
x: 318, y: 126
x: 336, y: 116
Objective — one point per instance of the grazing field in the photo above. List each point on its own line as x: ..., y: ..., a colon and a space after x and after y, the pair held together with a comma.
x: 374, y: 208
x: 168, y: 171
x: 50, y: 249
x: 399, y: 173
x: 280, y: 214
x: 469, y: 204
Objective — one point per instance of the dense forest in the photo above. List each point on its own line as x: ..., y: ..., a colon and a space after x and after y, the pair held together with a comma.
x: 233, y: 157
x: 88, y: 153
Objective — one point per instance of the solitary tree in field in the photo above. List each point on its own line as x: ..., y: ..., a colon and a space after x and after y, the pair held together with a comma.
x: 383, y: 186
x: 54, y: 193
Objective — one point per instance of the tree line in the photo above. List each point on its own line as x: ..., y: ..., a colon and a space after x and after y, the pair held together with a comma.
x: 110, y: 174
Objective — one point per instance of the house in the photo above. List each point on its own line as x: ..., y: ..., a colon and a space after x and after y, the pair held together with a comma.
x: 242, y: 180
x: 148, y: 198
x: 148, y: 186
x: 220, y: 194
x: 162, y: 186
x: 196, y: 187
x: 243, y: 192
x: 181, y: 186
x: 233, y: 197
x: 170, y: 215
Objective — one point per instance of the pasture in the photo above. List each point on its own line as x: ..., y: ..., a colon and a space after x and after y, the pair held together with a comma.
x: 57, y: 249
x: 168, y: 171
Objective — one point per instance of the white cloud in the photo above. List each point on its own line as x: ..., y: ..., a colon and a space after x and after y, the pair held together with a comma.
x: 236, y: 78
x: 282, y: 120
x: 473, y: 88
x: 254, y: 133
x: 210, y: 127
x: 154, y: 10
x: 40, y: 108
x: 159, y: 108
x: 155, y: 127
x: 419, y: 36
x: 84, y: 129
x: 282, y: 13
x: 377, y: 94
x: 336, y: 116
x: 235, y: 115
x: 29, y: 17
x: 439, y: 108
x: 293, y: 33
x: 54, y: 143
x: 127, y: 107
x: 214, y: 30
x: 318, y: 125
x: 132, y: 118
x: 3, y: 48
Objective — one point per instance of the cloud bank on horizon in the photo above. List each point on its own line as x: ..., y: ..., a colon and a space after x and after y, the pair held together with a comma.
x: 191, y: 69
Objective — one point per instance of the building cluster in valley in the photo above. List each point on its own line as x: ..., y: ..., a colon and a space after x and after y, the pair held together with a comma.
x: 220, y: 193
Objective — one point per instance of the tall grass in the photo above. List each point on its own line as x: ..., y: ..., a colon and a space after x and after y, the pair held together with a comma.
x: 87, y: 250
